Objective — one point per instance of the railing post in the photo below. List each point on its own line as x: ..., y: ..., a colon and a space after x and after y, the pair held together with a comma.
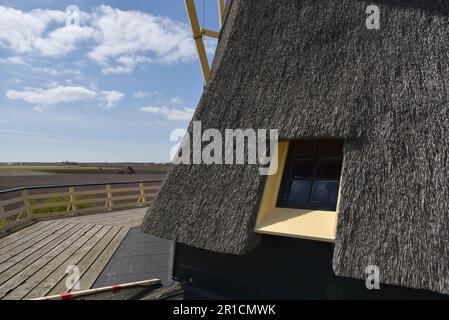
x: 72, y: 204
x: 142, y: 199
x: 3, y: 219
x: 27, y: 204
x: 110, y: 201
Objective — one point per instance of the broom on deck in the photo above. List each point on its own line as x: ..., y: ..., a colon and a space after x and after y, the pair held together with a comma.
x: 83, y: 293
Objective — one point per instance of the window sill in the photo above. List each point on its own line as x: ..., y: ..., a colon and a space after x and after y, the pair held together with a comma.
x: 297, y: 223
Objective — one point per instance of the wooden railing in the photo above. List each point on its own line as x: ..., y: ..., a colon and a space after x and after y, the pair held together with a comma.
x: 22, y: 205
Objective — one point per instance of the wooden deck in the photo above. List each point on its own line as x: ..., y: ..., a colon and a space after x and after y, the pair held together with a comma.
x: 33, y: 260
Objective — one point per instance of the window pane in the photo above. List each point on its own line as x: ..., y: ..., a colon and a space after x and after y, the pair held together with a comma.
x: 331, y: 148
x: 300, y: 191
x: 303, y: 169
x: 325, y: 191
x: 328, y: 169
x: 305, y: 149
x: 312, y: 174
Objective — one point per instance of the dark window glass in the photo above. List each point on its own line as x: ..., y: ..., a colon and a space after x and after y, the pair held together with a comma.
x: 328, y: 169
x: 302, y: 169
x: 331, y: 149
x: 312, y: 175
x: 305, y: 149
x: 324, y: 192
x: 300, y: 190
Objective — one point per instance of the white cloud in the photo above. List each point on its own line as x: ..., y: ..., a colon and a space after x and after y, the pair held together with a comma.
x: 170, y: 113
x: 54, y: 93
x: 112, y: 97
x: 175, y: 100
x: 158, y: 98
x: 128, y: 38
x: 21, y: 29
x: 27, y: 32
x: 41, y: 108
x: 119, y: 41
x: 62, y: 40
x: 126, y: 65
x: 146, y: 94
x: 55, y: 72
x: 16, y: 60
x: 51, y: 96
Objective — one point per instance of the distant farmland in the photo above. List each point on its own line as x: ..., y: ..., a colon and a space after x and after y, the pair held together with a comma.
x: 12, y: 176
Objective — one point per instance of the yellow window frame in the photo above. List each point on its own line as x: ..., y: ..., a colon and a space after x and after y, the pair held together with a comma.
x: 298, y: 223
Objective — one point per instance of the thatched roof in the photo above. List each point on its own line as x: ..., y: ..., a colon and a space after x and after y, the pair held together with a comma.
x: 311, y: 68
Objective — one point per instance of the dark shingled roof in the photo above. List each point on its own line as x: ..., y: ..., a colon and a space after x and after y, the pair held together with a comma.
x: 311, y: 68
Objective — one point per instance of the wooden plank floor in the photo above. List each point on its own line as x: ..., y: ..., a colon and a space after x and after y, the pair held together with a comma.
x: 34, y: 260
x: 129, y: 218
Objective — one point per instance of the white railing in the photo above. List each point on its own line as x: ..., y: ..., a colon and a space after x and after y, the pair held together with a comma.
x: 22, y: 205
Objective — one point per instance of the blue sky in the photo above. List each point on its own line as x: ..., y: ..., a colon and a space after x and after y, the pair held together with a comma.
x: 111, y: 89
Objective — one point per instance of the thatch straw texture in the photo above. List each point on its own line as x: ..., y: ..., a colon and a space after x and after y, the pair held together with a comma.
x: 311, y: 68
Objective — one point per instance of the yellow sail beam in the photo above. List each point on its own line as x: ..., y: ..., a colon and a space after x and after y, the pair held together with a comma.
x: 198, y: 36
x: 221, y: 9
x: 210, y: 33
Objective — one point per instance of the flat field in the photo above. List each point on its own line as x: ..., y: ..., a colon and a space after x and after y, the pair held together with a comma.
x: 12, y: 176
